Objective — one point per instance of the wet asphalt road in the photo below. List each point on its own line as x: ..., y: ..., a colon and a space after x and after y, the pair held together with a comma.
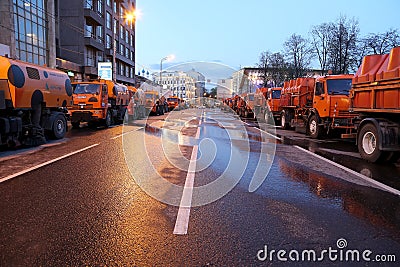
x: 88, y: 209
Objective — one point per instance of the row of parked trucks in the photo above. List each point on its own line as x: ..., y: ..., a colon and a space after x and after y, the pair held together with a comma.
x: 36, y: 102
x: 364, y: 106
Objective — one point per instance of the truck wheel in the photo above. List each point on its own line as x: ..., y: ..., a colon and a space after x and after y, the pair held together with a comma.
x: 368, y: 143
x: 284, y: 123
x: 75, y: 124
x: 108, y: 120
x: 59, y: 127
x: 314, y: 129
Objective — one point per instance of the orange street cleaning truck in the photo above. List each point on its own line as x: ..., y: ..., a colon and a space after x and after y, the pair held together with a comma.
x: 98, y: 102
x: 273, y: 96
x: 375, y: 96
x: 33, y: 102
x: 317, y: 105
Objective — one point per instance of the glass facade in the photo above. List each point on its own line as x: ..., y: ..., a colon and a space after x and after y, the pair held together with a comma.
x: 30, y: 30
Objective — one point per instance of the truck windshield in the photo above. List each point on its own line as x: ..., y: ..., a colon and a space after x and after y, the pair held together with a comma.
x: 86, y: 88
x: 149, y: 96
x: 339, y: 87
x: 172, y: 99
x: 276, y: 94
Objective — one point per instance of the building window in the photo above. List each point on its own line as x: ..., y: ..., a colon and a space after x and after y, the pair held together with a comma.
x: 108, y: 20
x: 121, y: 32
x: 115, y: 26
x: 100, y: 7
x: 127, y: 36
x: 121, y: 11
x: 89, y: 4
x: 88, y: 30
x: 115, y: 7
x: 131, y: 55
x: 122, y: 49
x: 90, y: 57
x: 99, y: 32
x: 100, y: 56
x: 121, y: 69
x: 127, y: 52
x: 108, y: 2
x: 30, y: 31
x: 131, y: 40
x: 108, y: 41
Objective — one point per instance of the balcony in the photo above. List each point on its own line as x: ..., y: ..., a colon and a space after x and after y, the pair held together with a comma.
x: 93, y: 16
x: 93, y: 42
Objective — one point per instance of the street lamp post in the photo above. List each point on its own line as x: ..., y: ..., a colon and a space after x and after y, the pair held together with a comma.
x: 169, y: 57
x: 163, y: 59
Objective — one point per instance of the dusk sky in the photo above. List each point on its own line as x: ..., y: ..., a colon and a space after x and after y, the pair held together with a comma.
x: 236, y: 32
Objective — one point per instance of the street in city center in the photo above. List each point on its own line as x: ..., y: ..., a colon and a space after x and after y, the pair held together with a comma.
x: 132, y: 195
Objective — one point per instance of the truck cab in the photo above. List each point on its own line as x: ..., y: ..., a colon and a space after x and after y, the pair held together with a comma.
x: 99, y: 101
x: 330, y: 104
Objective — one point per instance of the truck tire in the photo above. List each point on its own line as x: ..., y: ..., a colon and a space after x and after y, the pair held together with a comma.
x: 59, y: 127
x: 314, y: 130
x: 368, y: 143
x: 284, y: 120
x: 108, y: 120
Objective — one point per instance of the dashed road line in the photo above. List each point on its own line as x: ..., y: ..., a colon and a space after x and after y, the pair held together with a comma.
x: 120, y: 135
x: 45, y: 163
x: 372, y: 181
x: 182, y: 219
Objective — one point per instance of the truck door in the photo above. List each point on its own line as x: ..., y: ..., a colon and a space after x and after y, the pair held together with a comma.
x: 320, y: 102
x: 104, y: 96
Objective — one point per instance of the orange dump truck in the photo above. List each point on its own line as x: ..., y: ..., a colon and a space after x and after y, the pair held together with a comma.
x: 273, y: 96
x: 375, y: 96
x: 33, y: 102
x: 99, y: 101
x: 173, y: 102
x: 317, y: 105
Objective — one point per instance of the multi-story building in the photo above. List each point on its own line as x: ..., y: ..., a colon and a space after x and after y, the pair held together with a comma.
x: 246, y: 80
x: 92, y: 31
x: 71, y: 35
x: 28, y: 30
x: 178, y: 83
x: 200, y: 82
x: 224, y: 88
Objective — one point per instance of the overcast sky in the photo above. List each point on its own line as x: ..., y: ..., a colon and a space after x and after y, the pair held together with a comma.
x: 236, y: 32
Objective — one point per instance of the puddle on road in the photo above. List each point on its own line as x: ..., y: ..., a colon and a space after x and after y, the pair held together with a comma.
x: 345, y: 153
x: 293, y: 183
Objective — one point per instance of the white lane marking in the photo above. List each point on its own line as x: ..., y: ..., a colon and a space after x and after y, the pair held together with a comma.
x: 45, y: 163
x: 182, y: 219
x: 372, y: 181
x: 120, y: 135
x: 276, y: 137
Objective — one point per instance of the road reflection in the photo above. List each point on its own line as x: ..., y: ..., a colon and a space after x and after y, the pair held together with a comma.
x: 377, y: 207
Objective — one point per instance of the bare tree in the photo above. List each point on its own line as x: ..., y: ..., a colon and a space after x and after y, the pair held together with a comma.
x: 343, y: 46
x: 381, y: 43
x: 299, y: 54
x: 321, y: 38
x: 377, y: 43
x: 278, y: 69
x: 263, y: 64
